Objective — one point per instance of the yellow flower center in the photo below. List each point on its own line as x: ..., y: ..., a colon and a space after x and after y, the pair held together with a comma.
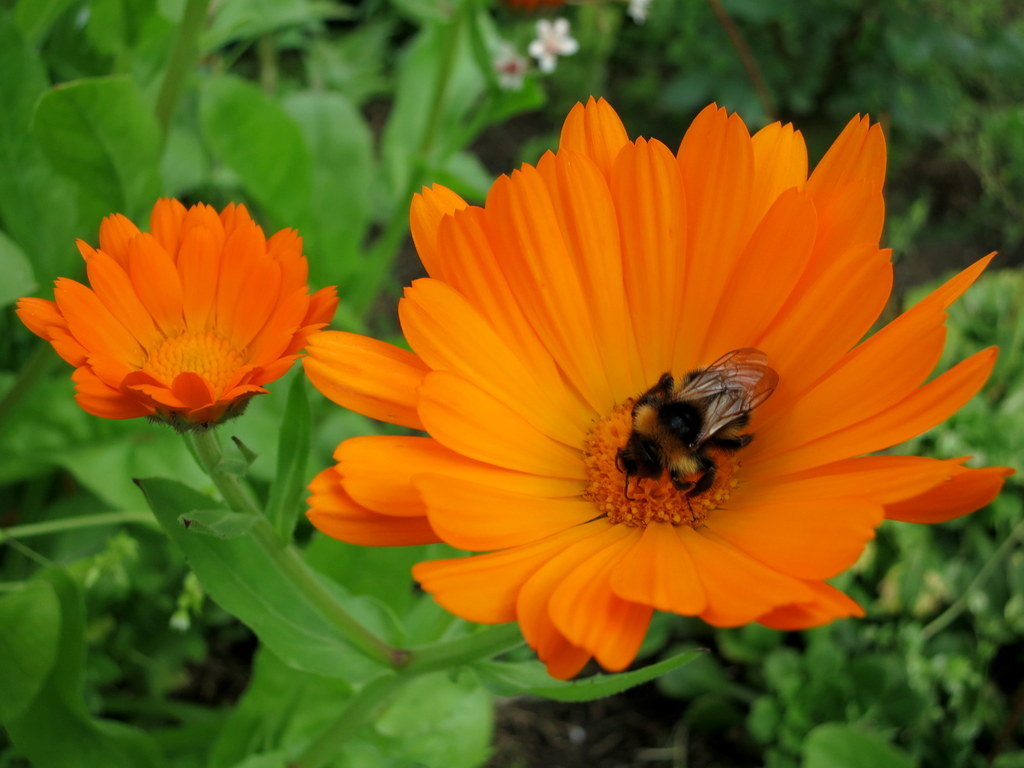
x: 650, y: 499
x: 207, y: 354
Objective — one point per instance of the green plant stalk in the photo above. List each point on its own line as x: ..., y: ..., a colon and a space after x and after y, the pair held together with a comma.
x: 207, y: 451
x: 363, y: 707
x: 446, y: 654
x: 382, y: 255
x: 958, y: 606
x: 183, y: 57
x: 74, y: 523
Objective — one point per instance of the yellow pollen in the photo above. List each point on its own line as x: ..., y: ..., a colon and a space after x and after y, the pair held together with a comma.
x: 207, y: 354
x: 650, y: 500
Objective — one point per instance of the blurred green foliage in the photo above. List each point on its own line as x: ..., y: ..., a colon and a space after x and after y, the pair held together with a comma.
x: 327, y: 116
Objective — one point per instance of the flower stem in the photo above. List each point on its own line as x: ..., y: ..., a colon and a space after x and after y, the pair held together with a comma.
x: 186, y: 47
x: 450, y: 653
x: 359, y: 710
x: 74, y: 523
x: 207, y: 450
x: 287, y: 558
x: 958, y: 606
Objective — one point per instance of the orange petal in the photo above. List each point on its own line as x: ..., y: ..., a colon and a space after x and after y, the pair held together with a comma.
x: 764, y: 276
x: 101, y: 400
x: 780, y: 163
x: 114, y: 288
x: 527, y: 239
x: 966, y: 491
x: 370, y: 377
x: 648, y: 192
x: 739, y: 589
x: 379, y: 472
x: 243, y: 250
x: 429, y: 206
x: 586, y: 213
x: 472, y: 422
x: 153, y: 391
x: 44, y: 319
x: 808, y: 539
x: 858, y: 153
x: 563, y: 657
x: 199, y: 267
x: 924, y: 408
x: 585, y: 608
x: 260, y: 296
x: 484, y: 588
x: 165, y: 223
x: 286, y: 247
x: 480, y: 518
x: 334, y: 512
x: 474, y: 270
x: 596, y: 131
x: 116, y: 233
x: 824, y: 317
x: 279, y: 333
x: 192, y: 389
x: 156, y: 282
x: 716, y: 159
x: 92, y: 324
x: 448, y: 334
x: 884, y: 479
x: 659, y: 572
x: 828, y: 604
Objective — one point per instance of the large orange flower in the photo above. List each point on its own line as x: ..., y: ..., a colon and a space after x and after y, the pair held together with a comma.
x: 552, y: 307
x: 185, y: 323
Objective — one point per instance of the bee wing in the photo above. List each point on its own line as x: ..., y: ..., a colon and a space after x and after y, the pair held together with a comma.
x: 732, y: 386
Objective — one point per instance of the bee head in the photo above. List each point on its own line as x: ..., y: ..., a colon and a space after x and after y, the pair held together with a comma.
x: 640, y: 457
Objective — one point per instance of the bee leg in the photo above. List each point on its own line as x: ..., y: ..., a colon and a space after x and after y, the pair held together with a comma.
x: 705, y: 482
x: 625, y: 490
x: 677, y: 481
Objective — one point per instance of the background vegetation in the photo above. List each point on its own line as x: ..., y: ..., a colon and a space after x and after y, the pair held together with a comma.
x: 326, y: 116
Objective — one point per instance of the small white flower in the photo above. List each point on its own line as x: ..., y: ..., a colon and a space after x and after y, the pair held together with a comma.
x: 553, y: 40
x: 510, y: 67
x: 638, y: 10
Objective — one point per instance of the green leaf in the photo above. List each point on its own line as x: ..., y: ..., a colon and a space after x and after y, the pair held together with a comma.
x: 285, y: 503
x: 343, y: 170
x: 273, y: 162
x: 218, y: 522
x: 35, y: 17
x: 29, y: 630
x: 37, y: 206
x: 511, y: 678
x: 246, y: 579
x: 101, y: 134
x: 17, y: 272
x: 834, y: 745
x: 56, y: 730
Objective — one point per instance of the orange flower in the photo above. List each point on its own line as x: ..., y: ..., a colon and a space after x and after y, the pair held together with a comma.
x: 552, y: 307
x: 185, y: 323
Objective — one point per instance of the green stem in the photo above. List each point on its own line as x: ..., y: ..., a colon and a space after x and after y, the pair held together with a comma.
x: 450, y: 653
x: 958, y: 606
x: 38, y: 364
x: 74, y: 523
x: 290, y: 563
x: 384, y: 249
x: 183, y: 57
x: 206, y: 446
x: 363, y: 707
x: 287, y: 558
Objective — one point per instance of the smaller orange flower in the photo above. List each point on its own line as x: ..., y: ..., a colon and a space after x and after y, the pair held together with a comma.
x: 186, y: 322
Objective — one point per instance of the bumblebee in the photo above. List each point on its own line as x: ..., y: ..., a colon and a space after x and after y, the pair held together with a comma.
x: 674, y: 423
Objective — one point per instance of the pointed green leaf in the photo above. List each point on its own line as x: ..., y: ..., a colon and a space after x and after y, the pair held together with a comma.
x: 29, y: 630
x: 218, y: 522
x: 836, y: 745
x: 511, y: 678
x: 244, y: 576
x: 285, y: 503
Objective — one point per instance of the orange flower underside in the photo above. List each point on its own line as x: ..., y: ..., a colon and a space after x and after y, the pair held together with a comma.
x: 186, y: 322
x: 548, y: 310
